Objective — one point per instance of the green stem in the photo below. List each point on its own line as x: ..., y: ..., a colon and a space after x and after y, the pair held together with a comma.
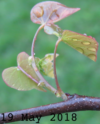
x: 47, y: 85
x: 64, y: 97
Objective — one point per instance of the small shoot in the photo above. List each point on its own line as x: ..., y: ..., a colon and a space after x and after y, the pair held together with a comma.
x: 26, y: 75
x: 82, y: 43
x: 47, y: 12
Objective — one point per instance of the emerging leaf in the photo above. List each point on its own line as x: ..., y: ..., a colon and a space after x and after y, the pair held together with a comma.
x: 82, y: 43
x: 16, y: 79
x: 45, y: 65
x: 49, y: 57
x: 53, y: 29
x: 22, y: 61
x: 50, y: 12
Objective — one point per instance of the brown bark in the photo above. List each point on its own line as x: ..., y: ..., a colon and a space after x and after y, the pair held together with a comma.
x: 74, y: 103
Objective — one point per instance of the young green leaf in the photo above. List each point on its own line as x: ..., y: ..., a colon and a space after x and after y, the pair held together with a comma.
x: 50, y: 12
x: 82, y: 43
x: 15, y: 78
x: 45, y: 65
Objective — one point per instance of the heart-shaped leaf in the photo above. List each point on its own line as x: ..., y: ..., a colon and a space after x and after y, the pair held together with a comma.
x: 45, y: 65
x: 50, y: 12
x: 16, y: 79
x: 82, y: 43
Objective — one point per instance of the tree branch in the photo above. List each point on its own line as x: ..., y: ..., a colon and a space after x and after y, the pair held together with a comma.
x: 74, y: 103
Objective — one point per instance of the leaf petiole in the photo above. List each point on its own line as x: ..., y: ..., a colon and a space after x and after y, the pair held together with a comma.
x: 64, y: 97
x: 47, y: 85
x: 27, y: 74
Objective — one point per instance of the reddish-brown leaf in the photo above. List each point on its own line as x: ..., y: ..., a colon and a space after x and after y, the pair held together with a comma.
x: 50, y: 12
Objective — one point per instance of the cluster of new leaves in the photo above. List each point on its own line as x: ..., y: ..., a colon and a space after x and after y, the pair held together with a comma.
x: 45, y: 65
x: 50, y: 12
x: 23, y: 77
